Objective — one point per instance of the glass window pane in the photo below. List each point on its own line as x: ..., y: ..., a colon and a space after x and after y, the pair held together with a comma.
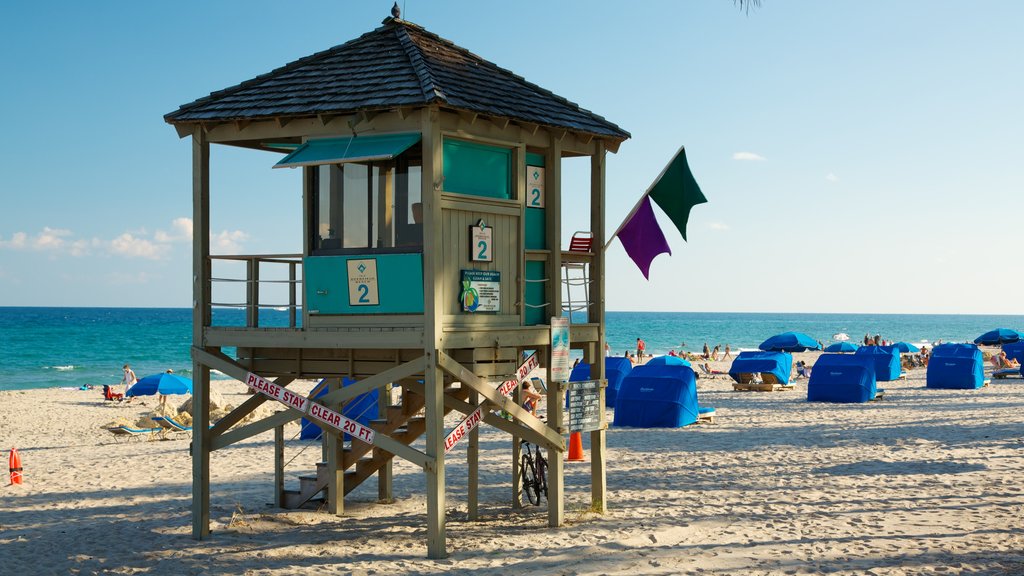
x: 355, y: 206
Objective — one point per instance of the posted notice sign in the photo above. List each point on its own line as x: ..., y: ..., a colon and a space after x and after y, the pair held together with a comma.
x: 462, y: 429
x: 362, y: 283
x: 480, y: 243
x: 315, y: 410
x: 584, y: 406
x: 481, y: 291
x: 534, y: 187
x: 560, y: 367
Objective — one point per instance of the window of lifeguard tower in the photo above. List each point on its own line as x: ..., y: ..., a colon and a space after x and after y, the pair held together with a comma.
x: 367, y: 207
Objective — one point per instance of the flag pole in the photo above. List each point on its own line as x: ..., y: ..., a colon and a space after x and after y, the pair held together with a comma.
x: 647, y: 193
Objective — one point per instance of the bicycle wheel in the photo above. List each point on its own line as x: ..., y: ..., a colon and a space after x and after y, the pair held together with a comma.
x: 528, y: 475
x: 542, y: 476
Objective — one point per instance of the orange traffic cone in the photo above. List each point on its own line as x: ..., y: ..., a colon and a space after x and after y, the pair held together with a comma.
x: 15, y: 462
x: 575, y: 447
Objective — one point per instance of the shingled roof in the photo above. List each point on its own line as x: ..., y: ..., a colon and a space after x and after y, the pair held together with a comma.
x: 397, y: 65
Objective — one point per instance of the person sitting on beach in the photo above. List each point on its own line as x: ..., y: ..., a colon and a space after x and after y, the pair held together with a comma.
x: 714, y: 353
x: 802, y: 371
x: 530, y: 398
x: 672, y: 352
x: 1001, y: 361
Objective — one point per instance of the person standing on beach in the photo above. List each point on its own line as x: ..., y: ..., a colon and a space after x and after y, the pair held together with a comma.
x: 727, y: 354
x: 641, y: 347
x: 707, y: 352
x: 128, y: 379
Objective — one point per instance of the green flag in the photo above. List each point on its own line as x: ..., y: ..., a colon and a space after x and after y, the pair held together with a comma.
x: 676, y: 192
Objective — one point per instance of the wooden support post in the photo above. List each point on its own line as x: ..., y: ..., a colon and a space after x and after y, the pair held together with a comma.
x: 279, y: 466
x: 385, y: 491
x: 598, y: 480
x: 335, y: 473
x: 432, y: 175
x: 473, y: 463
x: 517, y: 453
x: 556, y: 491
x: 200, y: 320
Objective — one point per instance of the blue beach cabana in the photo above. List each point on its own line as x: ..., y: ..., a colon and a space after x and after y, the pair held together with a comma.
x: 886, y: 359
x: 658, y: 397
x: 778, y: 364
x: 1015, y: 351
x: 843, y: 378
x: 362, y: 409
x: 957, y: 366
x: 615, y: 369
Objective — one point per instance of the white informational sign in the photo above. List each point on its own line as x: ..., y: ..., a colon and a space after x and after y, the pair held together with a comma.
x: 317, y: 411
x: 584, y: 406
x: 481, y: 291
x: 462, y: 429
x: 560, y: 367
x: 534, y: 187
x: 480, y: 246
x: 362, y: 283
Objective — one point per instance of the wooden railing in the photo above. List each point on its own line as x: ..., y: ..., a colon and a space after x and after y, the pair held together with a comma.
x: 243, y: 281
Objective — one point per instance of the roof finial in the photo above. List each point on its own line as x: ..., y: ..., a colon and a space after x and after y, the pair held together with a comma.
x: 395, y: 11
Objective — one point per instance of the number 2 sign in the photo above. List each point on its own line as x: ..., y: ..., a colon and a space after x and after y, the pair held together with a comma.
x: 362, y: 283
x: 480, y: 248
x: 534, y: 187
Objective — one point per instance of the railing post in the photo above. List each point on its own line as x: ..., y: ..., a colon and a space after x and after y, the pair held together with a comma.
x: 252, y: 297
x: 291, y: 293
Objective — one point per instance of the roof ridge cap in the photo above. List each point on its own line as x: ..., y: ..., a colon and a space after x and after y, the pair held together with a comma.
x: 428, y: 82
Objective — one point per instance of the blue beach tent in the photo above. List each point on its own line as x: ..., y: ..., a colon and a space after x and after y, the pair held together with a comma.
x: 657, y: 397
x: 615, y: 369
x: 1015, y: 351
x: 886, y: 359
x: 362, y: 409
x: 998, y: 336
x: 778, y: 363
x: 667, y: 360
x: 959, y: 366
x: 842, y: 378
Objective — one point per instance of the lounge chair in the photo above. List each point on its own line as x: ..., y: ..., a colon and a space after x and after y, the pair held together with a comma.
x: 1006, y: 373
x: 771, y: 383
x: 746, y: 382
x: 705, y: 414
x: 127, y: 433
x: 169, y: 425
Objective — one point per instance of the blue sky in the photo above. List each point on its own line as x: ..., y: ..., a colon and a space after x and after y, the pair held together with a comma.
x: 858, y: 156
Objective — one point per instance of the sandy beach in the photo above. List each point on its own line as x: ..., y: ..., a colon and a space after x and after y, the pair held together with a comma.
x: 924, y: 481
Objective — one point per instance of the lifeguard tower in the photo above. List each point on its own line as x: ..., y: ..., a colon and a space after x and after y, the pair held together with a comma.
x: 431, y: 260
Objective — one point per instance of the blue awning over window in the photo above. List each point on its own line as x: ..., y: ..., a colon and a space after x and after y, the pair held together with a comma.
x: 354, y: 149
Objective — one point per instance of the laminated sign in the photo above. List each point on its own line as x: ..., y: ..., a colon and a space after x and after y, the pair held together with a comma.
x: 481, y: 291
x: 362, y: 283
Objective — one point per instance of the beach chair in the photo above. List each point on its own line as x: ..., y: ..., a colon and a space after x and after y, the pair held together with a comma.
x: 109, y: 395
x: 705, y: 414
x: 126, y: 433
x: 169, y: 425
x: 771, y: 383
x: 1006, y: 373
x: 746, y: 382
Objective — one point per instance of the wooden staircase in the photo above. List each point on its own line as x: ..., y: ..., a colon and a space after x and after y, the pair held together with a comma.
x: 360, y: 460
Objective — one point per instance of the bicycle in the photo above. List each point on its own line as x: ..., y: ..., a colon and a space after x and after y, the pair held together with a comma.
x: 533, y: 473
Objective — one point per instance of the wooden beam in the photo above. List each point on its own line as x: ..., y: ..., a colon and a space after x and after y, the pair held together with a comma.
x: 467, y: 117
x: 598, y: 477
x: 200, y: 319
x: 500, y: 122
x: 528, y: 127
x: 486, y: 389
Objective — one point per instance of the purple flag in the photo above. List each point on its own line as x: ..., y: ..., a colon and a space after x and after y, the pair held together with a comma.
x: 642, y: 237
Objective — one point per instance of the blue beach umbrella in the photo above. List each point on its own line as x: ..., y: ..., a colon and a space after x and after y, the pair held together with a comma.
x: 841, y: 347
x: 906, y: 347
x: 789, y: 342
x: 162, y: 383
x: 999, y: 336
x: 667, y: 361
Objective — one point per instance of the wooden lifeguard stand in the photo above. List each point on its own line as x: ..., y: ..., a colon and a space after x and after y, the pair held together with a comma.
x: 431, y: 256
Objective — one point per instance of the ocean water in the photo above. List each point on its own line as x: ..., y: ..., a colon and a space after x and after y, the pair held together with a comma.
x: 54, y: 347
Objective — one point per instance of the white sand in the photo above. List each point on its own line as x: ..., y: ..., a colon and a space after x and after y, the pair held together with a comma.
x: 925, y: 481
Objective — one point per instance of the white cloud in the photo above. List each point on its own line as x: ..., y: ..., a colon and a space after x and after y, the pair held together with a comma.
x: 831, y: 177
x: 722, y: 226
x: 18, y: 241
x: 228, y: 241
x: 181, y: 231
x: 128, y: 245
x: 747, y: 156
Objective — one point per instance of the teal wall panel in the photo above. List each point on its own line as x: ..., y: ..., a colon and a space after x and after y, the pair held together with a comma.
x: 535, y: 294
x: 536, y: 225
x: 399, y: 284
x: 477, y: 169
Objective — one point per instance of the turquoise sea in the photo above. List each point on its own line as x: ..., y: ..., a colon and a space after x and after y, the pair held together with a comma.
x: 53, y: 347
